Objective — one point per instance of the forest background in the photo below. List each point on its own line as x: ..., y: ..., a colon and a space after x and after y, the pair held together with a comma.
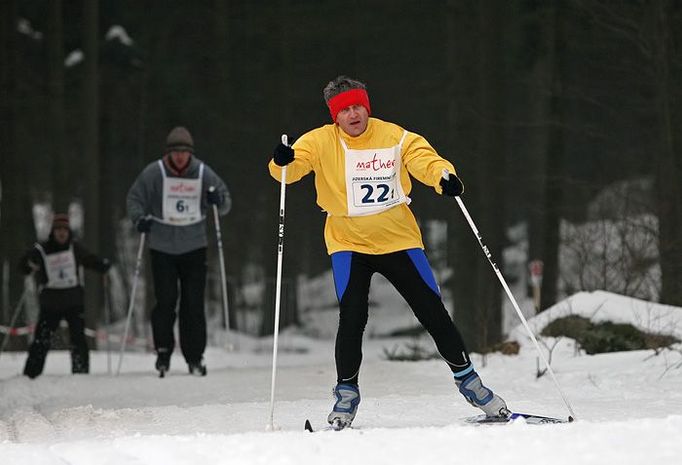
x: 555, y: 113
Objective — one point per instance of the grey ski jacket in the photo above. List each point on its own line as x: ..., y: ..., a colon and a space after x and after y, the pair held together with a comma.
x: 145, y: 198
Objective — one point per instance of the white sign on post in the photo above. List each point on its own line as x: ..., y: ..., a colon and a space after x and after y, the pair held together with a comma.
x: 535, y: 268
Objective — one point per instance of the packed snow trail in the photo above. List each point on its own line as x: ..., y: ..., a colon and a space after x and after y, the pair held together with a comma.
x: 629, y: 406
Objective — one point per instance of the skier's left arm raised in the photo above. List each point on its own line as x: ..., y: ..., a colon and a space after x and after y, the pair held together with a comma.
x: 298, y: 158
x: 424, y: 163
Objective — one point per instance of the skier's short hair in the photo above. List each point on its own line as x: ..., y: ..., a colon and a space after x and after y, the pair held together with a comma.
x: 341, y: 84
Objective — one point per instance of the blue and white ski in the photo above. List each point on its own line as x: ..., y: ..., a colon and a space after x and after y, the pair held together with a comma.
x: 336, y: 426
x: 528, y: 418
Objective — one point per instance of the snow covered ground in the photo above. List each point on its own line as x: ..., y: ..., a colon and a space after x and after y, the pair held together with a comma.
x: 628, y: 405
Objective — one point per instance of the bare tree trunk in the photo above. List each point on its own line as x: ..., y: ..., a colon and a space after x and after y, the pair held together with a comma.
x: 54, y: 40
x: 16, y: 225
x: 491, y: 170
x: 475, y: 117
x: 477, y: 111
x: 91, y: 154
x: 668, y: 157
x: 462, y: 252
x: 290, y: 305
x: 221, y: 134
x: 554, y: 178
x: 538, y: 91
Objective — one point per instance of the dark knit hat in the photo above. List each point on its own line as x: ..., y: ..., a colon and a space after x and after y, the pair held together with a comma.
x: 60, y: 220
x: 179, y: 139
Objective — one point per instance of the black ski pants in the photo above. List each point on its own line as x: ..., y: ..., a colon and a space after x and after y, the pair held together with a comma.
x: 182, y: 275
x: 48, y: 321
x: 410, y: 273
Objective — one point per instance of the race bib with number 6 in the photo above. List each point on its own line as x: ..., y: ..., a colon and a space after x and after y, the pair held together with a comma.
x: 182, y: 199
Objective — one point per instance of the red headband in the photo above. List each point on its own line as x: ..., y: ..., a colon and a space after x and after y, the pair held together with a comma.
x: 346, y: 99
x: 60, y: 220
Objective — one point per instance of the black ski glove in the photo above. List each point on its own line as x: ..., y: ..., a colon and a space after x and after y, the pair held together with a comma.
x: 452, y: 186
x: 30, y: 267
x: 283, y: 155
x: 144, y: 225
x: 213, y: 197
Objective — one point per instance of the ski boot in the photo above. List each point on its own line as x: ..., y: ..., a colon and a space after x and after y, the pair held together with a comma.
x: 197, y: 368
x: 162, y: 362
x: 80, y: 363
x: 346, y: 406
x: 482, y: 397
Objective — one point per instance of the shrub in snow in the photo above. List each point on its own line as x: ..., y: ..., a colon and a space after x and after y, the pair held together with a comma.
x: 606, y: 336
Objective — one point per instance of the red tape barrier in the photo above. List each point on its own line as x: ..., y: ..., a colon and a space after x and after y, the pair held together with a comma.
x: 100, y: 335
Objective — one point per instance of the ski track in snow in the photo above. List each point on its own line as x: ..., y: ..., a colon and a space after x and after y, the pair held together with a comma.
x: 628, y: 406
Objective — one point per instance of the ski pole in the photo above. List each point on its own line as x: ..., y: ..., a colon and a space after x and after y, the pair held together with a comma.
x: 107, y: 317
x: 280, y: 250
x: 131, y: 305
x: 488, y: 255
x: 223, y: 279
x: 15, y: 316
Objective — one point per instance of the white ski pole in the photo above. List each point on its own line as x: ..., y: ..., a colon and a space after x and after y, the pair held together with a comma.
x: 15, y: 316
x: 131, y: 305
x: 107, y: 317
x: 280, y: 250
x: 223, y: 278
x: 488, y: 255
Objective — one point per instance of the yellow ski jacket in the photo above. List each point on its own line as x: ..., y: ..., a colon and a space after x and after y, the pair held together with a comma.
x: 394, y: 229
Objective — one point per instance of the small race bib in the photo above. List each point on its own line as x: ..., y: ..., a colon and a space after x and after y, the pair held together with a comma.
x: 60, y: 268
x: 181, y: 199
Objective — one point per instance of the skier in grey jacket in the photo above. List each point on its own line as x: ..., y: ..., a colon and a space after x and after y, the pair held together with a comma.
x: 169, y: 202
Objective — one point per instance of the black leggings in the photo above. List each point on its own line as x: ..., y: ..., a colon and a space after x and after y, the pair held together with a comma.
x: 47, y: 324
x: 411, y: 275
x: 187, y: 270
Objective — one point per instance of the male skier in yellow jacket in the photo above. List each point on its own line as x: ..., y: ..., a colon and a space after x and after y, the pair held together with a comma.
x: 362, y: 169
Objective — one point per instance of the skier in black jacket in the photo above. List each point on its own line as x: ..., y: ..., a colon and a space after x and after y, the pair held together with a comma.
x: 56, y: 264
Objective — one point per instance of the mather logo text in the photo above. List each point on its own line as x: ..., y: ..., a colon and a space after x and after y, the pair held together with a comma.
x: 182, y: 187
x: 375, y: 164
